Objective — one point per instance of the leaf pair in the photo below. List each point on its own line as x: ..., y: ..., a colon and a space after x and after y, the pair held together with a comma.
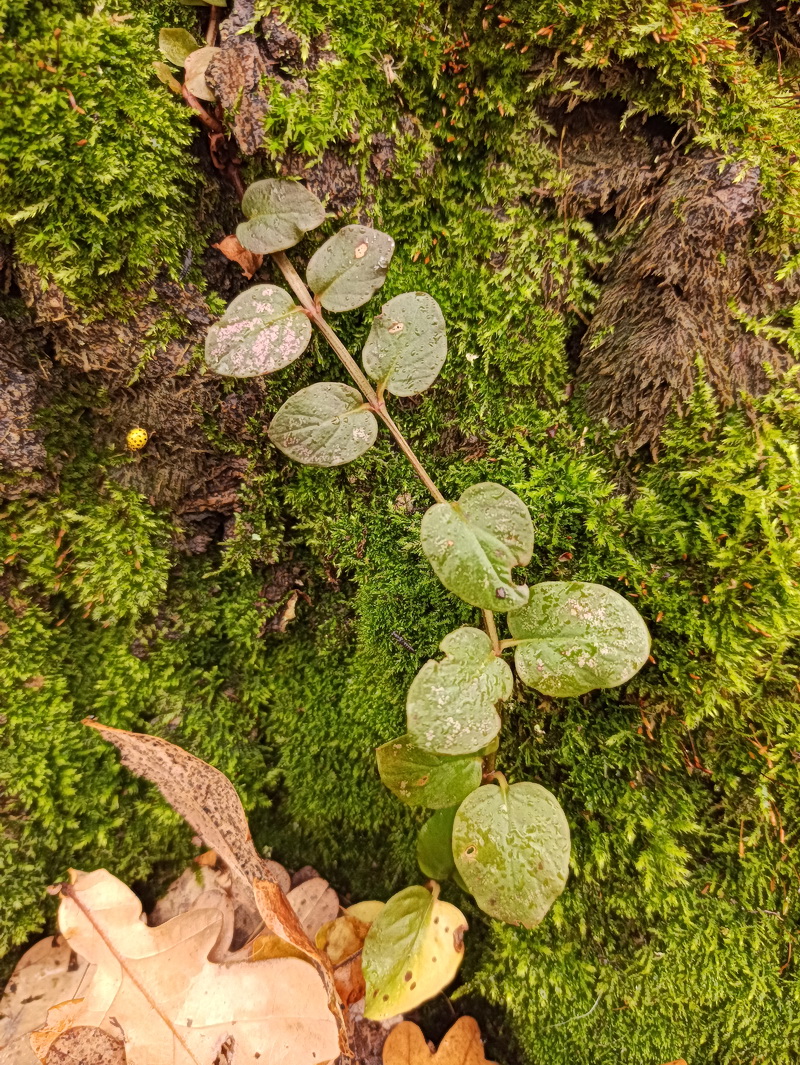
x: 507, y: 846
x: 180, y: 49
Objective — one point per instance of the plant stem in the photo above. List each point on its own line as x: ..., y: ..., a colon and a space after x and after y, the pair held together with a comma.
x: 491, y: 629
x: 297, y: 285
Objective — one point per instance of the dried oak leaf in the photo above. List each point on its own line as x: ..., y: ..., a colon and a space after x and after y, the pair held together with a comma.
x: 157, y: 988
x: 249, y: 261
x: 462, y: 1045
x: 49, y: 972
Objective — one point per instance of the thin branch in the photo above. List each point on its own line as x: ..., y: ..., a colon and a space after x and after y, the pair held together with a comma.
x: 297, y: 285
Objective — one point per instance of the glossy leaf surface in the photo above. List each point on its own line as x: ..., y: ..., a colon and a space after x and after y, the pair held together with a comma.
x: 278, y: 214
x: 435, y: 845
x: 511, y: 846
x: 450, y: 707
x: 412, y: 951
x: 420, y: 778
x: 325, y: 424
x: 407, y: 345
x: 474, y: 544
x: 176, y: 45
x: 350, y: 267
x: 577, y: 637
x: 262, y: 330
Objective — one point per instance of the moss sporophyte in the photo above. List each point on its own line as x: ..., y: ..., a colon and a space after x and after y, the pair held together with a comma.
x: 508, y: 846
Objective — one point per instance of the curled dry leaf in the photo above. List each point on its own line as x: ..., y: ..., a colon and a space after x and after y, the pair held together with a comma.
x: 195, y: 66
x: 49, y: 972
x: 342, y: 940
x: 157, y: 987
x: 249, y: 261
x: 406, y: 1045
x: 315, y: 903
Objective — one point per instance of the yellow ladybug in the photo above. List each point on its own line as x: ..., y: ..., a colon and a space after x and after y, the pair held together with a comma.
x: 136, y: 439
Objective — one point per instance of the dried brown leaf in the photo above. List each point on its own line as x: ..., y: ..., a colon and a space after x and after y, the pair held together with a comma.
x: 86, y: 1046
x: 462, y: 1045
x: 157, y: 988
x: 203, y: 796
x: 49, y: 972
x: 315, y: 903
x: 249, y: 261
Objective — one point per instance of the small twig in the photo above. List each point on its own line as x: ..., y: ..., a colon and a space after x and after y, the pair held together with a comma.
x: 211, y: 123
x: 213, y: 25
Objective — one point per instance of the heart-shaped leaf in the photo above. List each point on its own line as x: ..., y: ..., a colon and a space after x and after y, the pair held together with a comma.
x: 278, y: 214
x: 450, y: 707
x: 511, y: 846
x: 435, y: 845
x: 176, y: 44
x: 195, y: 67
x: 412, y: 951
x: 420, y: 778
x: 326, y: 424
x: 474, y: 544
x: 407, y: 345
x: 576, y: 637
x: 262, y: 331
x: 350, y: 267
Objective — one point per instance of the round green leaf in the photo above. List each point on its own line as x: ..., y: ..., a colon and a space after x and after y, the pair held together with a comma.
x: 406, y: 346
x: 435, y: 845
x: 474, y: 544
x: 450, y: 708
x: 176, y: 44
x: 511, y: 846
x: 420, y: 778
x: 412, y: 951
x: 350, y: 267
x: 262, y: 330
x: 326, y: 424
x: 278, y: 213
x: 577, y: 637
x: 195, y: 66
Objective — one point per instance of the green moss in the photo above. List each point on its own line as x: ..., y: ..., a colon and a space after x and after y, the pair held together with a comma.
x: 674, y: 936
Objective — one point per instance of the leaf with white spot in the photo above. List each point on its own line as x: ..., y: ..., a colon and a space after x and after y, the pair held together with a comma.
x: 412, y: 951
x: 435, y: 845
x: 176, y: 44
x: 407, y: 345
x: 420, y: 778
x: 326, y: 424
x: 278, y: 214
x: 575, y: 637
x: 450, y: 708
x: 262, y: 331
x: 511, y: 846
x: 195, y: 66
x: 474, y: 544
x: 350, y: 267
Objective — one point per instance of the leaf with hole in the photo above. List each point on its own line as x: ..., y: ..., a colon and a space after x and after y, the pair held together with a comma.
x: 261, y: 331
x: 435, y: 845
x: 576, y: 637
x: 511, y: 846
x: 474, y: 544
x: 420, y: 778
x: 195, y: 66
x: 450, y: 708
x: 412, y: 951
x: 326, y: 424
x: 176, y: 45
x: 350, y: 267
x: 407, y: 345
x: 278, y: 215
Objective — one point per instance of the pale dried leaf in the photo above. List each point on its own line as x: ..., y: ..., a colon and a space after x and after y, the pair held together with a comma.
x: 157, y: 987
x: 315, y: 903
x: 203, y: 796
x: 195, y: 66
x: 462, y: 1045
x: 280, y: 918
x: 232, y: 249
x: 49, y: 972
x: 165, y: 75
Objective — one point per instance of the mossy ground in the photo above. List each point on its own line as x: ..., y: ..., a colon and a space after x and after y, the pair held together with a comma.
x: 675, y: 936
